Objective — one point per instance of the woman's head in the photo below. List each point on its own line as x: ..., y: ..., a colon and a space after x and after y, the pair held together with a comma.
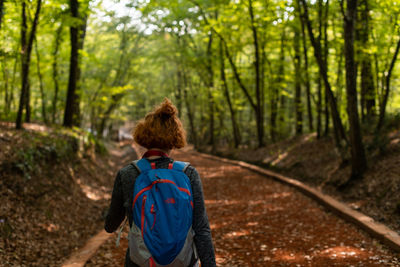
x: 161, y: 128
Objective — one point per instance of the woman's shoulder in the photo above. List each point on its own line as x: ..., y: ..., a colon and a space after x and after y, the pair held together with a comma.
x: 128, y: 171
x: 191, y: 171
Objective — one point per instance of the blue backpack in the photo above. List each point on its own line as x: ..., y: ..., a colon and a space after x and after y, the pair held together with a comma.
x: 161, y: 232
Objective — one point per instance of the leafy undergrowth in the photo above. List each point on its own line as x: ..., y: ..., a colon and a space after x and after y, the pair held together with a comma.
x: 54, y: 186
x: 317, y: 163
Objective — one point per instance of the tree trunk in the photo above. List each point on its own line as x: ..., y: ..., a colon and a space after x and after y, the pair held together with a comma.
x: 337, y: 122
x: 367, y: 89
x: 71, y: 115
x: 307, y: 76
x: 81, y: 42
x: 319, y: 79
x: 282, y: 115
x: 319, y: 105
x: 6, y: 87
x: 262, y: 79
x: 275, y: 89
x: 260, y: 109
x: 326, y: 56
x: 26, y: 50
x: 57, y: 41
x: 43, y: 97
x: 106, y: 116
x: 297, y: 67
x: 178, y: 93
x: 385, y: 97
x: 358, y: 159
x: 189, y: 109
x: 235, y: 128
x: 210, y: 86
x: 367, y: 78
x: 339, y: 80
x: 22, y: 99
x: 12, y: 85
x: 1, y: 11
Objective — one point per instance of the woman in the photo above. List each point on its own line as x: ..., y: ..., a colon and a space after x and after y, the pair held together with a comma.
x: 160, y: 132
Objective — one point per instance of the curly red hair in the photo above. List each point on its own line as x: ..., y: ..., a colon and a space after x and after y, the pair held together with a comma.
x: 161, y: 128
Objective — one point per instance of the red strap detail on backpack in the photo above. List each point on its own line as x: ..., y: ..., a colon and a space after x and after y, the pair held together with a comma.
x: 151, y: 153
x: 170, y: 166
x: 142, y: 215
x: 152, y: 262
x: 154, y: 214
x: 153, y: 165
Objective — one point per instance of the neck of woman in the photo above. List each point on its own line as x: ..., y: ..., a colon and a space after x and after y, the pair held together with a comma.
x: 162, y: 151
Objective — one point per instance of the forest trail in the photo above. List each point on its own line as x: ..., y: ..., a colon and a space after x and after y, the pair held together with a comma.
x: 256, y: 221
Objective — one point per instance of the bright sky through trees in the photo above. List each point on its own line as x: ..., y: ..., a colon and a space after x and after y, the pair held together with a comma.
x: 121, y: 8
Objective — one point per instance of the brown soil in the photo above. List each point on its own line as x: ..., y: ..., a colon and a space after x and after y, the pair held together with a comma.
x: 317, y: 163
x: 259, y: 222
x: 52, y: 201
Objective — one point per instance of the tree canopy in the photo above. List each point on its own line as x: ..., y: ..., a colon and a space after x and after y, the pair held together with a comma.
x: 240, y: 72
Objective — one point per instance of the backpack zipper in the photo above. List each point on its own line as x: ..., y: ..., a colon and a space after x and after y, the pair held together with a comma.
x: 159, y: 181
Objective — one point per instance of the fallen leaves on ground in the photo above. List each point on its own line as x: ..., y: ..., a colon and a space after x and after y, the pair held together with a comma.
x: 47, y: 215
x: 259, y: 222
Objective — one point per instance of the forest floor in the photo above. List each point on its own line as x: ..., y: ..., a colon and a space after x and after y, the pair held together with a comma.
x: 53, y: 193
x: 316, y: 163
x: 256, y: 221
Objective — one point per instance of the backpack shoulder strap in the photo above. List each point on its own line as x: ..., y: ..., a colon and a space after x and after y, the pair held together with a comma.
x: 142, y: 165
x: 180, y: 166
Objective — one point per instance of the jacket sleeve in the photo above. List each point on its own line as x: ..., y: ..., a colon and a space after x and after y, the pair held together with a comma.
x: 116, y: 212
x: 200, y: 225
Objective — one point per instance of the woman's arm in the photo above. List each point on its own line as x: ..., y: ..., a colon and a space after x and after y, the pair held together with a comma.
x: 116, y: 212
x: 201, y: 227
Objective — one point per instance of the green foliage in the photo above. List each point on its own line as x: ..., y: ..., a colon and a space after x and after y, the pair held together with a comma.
x: 144, y: 51
x: 60, y: 145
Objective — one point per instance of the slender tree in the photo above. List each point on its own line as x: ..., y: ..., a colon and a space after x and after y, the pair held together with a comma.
x: 26, y: 51
x: 255, y: 105
x: 277, y: 85
x: 235, y: 127
x: 210, y: 86
x: 367, y: 77
x: 259, y: 107
x: 1, y: 11
x: 326, y: 56
x: 57, y: 42
x: 41, y: 86
x: 385, y: 97
x: 358, y: 159
x: 297, y: 66
x: 6, y: 85
x: 190, y: 113
x: 71, y: 113
x: 337, y: 121
x: 306, y: 72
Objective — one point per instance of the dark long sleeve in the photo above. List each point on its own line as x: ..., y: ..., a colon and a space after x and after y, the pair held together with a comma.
x: 121, y: 204
x: 116, y: 212
x: 200, y: 225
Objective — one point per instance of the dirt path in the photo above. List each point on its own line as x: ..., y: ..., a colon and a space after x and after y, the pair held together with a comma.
x: 259, y: 222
